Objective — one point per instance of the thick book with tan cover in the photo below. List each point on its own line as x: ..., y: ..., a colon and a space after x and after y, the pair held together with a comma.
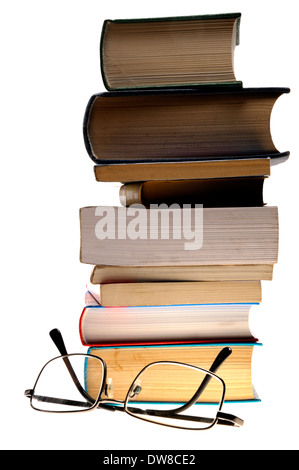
x: 167, y: 52
x: 115, y: 236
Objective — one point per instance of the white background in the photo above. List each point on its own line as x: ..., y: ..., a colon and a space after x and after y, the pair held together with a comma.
x: 50, y: 67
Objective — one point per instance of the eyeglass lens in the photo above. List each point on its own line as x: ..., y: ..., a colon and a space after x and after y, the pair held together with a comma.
x: 58, y: 390
x: 172, y: 394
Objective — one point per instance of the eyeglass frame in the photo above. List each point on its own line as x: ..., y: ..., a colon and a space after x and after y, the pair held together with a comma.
x: 114, y: 405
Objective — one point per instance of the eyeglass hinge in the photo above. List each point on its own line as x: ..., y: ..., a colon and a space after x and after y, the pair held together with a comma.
x: 28, y: 393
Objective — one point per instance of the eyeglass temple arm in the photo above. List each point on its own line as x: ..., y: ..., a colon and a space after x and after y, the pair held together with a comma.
x: 56, y: 337
x: 221, y: 357
x: 222, y: 418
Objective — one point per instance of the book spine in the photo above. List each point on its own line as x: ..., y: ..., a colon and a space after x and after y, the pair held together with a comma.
x: 130, y: 194
x: 102, y: 61
x: 82, y: 338
x: 85, y: 128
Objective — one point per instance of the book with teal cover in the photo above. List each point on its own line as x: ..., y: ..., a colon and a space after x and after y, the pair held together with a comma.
x: 125, y: 362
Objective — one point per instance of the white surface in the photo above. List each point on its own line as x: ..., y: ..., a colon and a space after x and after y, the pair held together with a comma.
x: 50, y: 68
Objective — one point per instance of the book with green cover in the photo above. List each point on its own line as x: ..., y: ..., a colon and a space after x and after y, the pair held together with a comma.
x: 180, y: 125
x: 169, y: 52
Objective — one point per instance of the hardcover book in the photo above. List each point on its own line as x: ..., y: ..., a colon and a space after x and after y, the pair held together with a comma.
x: 165, y: 324
x: 115, y: 274
x: 187, y: 170
x: 168, y: 52
x: 173, y: 293
x: 214, y: 192
x: 124, y: 363
x: 180, y: 125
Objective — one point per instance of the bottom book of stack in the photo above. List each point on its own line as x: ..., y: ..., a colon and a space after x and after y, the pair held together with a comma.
x: 125, y: 362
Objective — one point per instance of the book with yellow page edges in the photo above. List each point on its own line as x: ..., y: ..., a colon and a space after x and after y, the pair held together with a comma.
x: 125, y: 362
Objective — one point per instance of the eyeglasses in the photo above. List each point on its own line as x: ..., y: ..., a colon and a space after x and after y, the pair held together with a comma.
x: 149, y: 398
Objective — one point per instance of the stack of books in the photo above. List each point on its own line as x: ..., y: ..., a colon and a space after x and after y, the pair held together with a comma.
x: 178, y: 265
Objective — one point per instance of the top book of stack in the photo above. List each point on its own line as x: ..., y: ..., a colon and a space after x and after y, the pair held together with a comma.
x: 169, y: 52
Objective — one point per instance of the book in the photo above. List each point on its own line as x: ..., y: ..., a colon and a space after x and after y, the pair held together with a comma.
x: 167, y: 52
x: 213, y: 192
x: 101, y: 325
x: 124, y: 363
x: 174, y: 293
x: 119, y: 236
x: 117, y: 274
x: 186, y: 170
x: 180, y: 125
